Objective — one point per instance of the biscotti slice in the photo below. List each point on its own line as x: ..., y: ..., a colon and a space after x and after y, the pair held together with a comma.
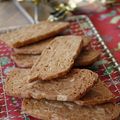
x: 97, y: 95
x: 57, y: 58
x: 33, y: 33
x: 24, y: 61
x: 86, y: 41
x: 54, y: 110
x: 69, y: 88
x: 37, y: 48
x: 87, y: 57
x: 33, y: 49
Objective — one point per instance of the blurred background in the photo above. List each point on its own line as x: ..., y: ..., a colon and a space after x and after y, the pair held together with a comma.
x: 22, y: 12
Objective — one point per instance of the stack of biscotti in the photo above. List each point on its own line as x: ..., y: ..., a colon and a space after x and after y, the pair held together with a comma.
x: 25, y: 56
x: 53, y: 88
x: 29, y: 42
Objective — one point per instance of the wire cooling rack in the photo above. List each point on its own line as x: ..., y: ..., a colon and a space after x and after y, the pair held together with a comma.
x: 107, y: 67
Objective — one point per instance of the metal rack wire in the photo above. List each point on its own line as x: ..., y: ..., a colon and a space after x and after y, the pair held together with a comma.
x: 112, y: 78
x: 99, y: 38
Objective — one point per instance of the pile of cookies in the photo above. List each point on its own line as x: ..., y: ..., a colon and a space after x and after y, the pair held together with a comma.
x: 49, y: 78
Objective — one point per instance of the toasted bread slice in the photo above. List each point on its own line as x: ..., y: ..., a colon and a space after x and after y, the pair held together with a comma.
x: 24, y: 61
x: 69, y: 88
x: 97, y: 95
x: 57, y: 58
x: 33, y: 33
x: 33, y: 49
x: 54, y: 110
x: 87, y: 57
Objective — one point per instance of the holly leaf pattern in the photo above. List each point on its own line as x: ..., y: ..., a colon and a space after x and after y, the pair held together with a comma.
x: 27, y: 118
x: 4, y: 61
x: 108, y: 70
x: 14, y: 101
x: 100, y: 62
x: 94, y: 68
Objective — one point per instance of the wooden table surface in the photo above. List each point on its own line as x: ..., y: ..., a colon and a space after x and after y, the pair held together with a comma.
x: 10, y: 15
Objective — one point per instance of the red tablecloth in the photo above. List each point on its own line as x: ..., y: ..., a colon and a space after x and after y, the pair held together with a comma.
x: 107, y: 23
